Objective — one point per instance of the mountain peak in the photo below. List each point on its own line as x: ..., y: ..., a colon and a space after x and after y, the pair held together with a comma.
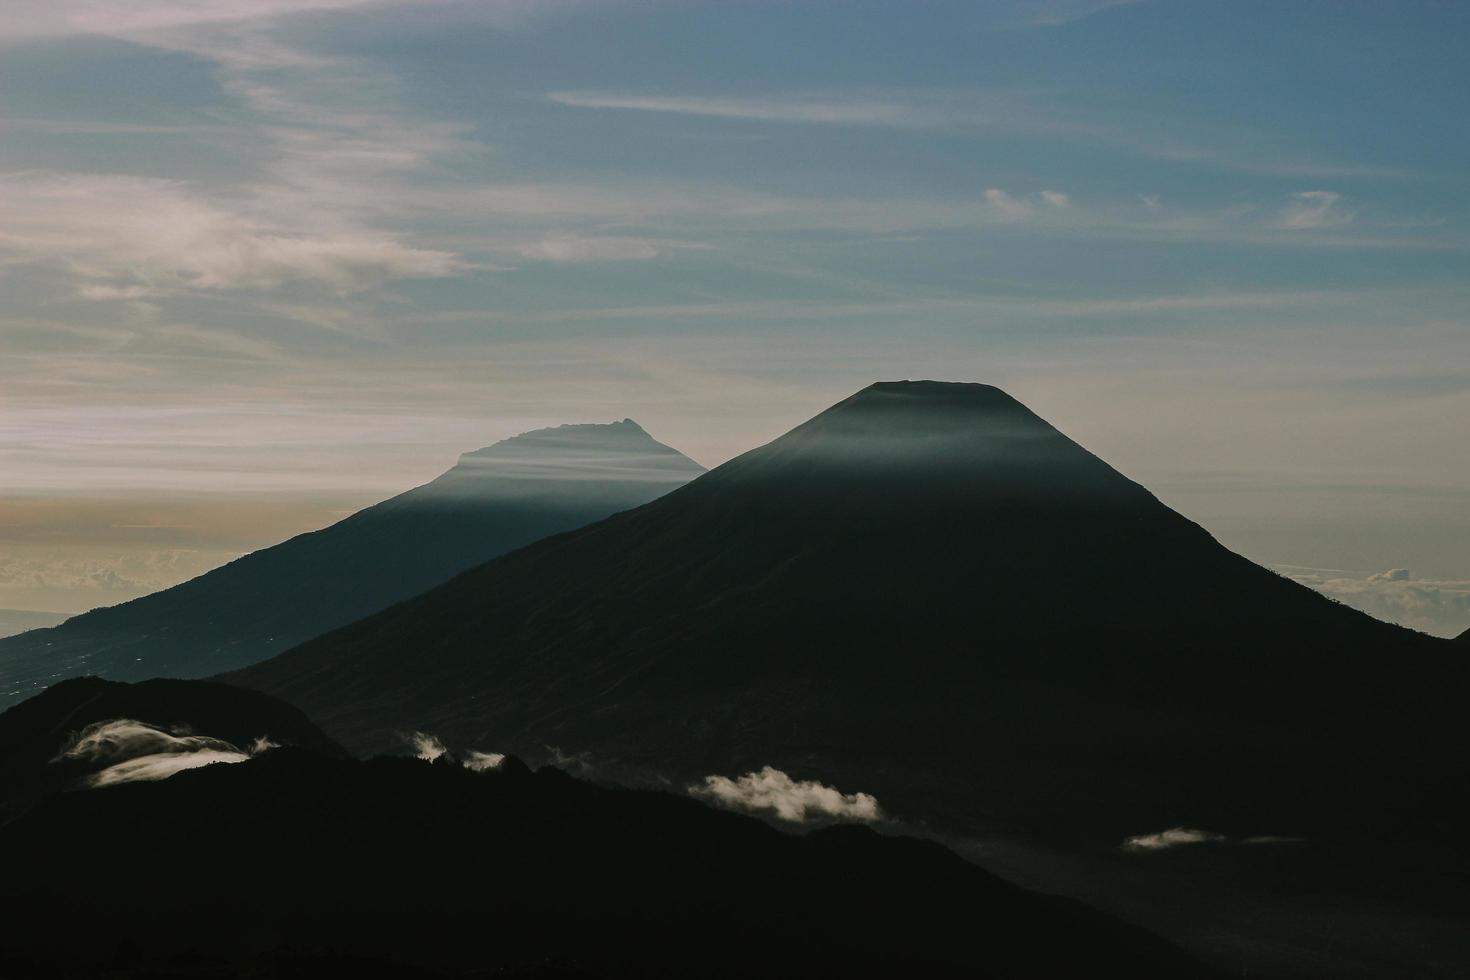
x: 579, y: 434
x: 904, y: 435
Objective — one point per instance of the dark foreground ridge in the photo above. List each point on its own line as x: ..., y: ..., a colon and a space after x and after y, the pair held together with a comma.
x: 295, y: 865
x: 493, y: 501
x: 930, y: 594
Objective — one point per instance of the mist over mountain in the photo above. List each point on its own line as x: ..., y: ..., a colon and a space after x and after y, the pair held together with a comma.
x: 930, y: 594
x: 493, y: 501
x: 294, y: 864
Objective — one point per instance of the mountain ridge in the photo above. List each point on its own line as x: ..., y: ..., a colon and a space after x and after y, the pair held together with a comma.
x: 492, y: 500
x: 929, y: 593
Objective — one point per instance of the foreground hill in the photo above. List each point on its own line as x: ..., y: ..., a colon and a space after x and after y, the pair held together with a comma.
x: 292, y: 864
x: 158, y: 720
x: 929, y: 594
x: 493, y: 501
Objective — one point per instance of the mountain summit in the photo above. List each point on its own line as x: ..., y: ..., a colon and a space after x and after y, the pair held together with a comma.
x: 492, y: 501
x: 928, y: 593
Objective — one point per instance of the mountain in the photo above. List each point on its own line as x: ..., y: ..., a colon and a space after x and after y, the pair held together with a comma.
x: 71, y: 732
x: 493, y: 501
x: 295, y: 865
x: 929, y: 594
x: 1463, y: 637
x: 13, y: 621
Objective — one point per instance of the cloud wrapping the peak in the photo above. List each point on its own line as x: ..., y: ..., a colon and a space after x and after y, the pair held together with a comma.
x: 772, y: 791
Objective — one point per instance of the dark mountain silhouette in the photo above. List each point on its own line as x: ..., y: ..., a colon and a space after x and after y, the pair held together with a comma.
x: 494, y: 500
x: 34, y: 733
x: 929, y: 594
x: 292, y: 864
x: 1463, y: 637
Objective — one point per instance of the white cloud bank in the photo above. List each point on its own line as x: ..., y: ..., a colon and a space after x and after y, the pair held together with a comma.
x: 136, y: 751
x: 772, y: 791
x: 1437, y: 606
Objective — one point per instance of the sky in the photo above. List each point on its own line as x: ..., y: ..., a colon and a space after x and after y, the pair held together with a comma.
x: 265, y: 261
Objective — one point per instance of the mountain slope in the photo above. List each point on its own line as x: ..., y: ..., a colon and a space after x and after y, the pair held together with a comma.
x: 493, y: 501
x: 930, y: 594
x: 371, y: 866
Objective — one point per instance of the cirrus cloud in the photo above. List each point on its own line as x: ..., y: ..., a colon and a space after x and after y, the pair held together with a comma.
x: 131, y: 237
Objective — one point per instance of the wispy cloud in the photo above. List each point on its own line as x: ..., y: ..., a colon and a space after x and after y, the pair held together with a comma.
x: 1164, y: 840
x: 585, y: 248
x: 136, y: 751
x: 134, y: 237
x: 1014, y: 113
x: 1315, y: 209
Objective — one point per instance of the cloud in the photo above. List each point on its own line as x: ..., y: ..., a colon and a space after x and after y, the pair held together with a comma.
x: 1314, y: 209
x: 480, y: 761
x: 1184, y: 836
x: 132, y: 237
x: 773, y: 791
x: 1009, y: 208
x: 430, y: 747
x: 1173, y: 837
x: 1056, y: 199
x: 579, y: 248
x: 1437, y: 606
x: 154, y: 767
x: 134, y: 751
x: 424, y: 745
x: 1025, y: 113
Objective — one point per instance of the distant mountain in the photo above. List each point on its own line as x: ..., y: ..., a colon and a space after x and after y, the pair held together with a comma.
x: 493, y: 501
x: 13, y: 621
x: 929, y: 594
x: 295, y: 865
x: 158, y: 719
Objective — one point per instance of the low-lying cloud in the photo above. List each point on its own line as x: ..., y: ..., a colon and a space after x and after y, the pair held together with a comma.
x: 135, y: 751
x: 430, y: 747
x: 799, y: 801
x: 424, y: 745
x: 1183, y: 836
x: 480, y: 761
x: 1437, y: 606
